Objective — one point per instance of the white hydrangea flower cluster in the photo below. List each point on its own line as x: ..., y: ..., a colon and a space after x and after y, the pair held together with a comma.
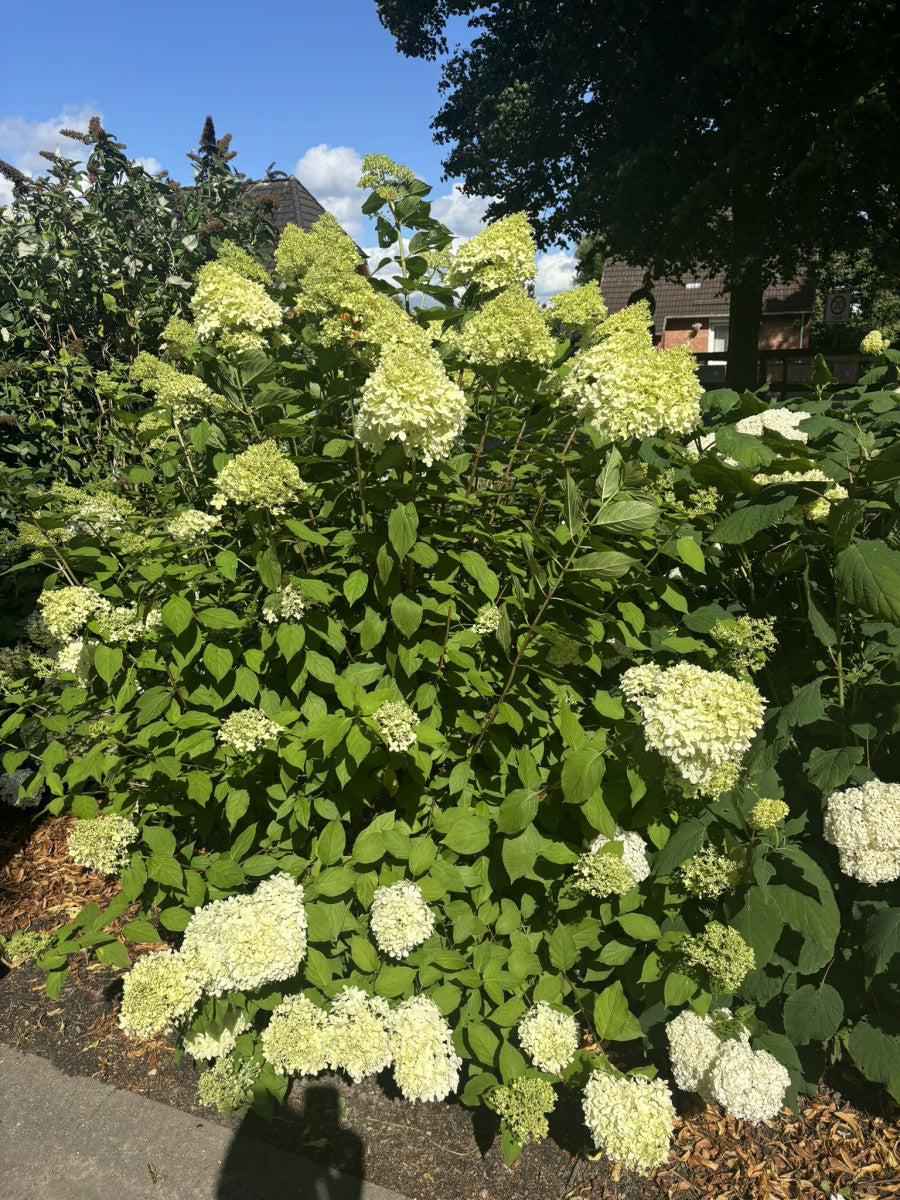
x: 721, y: 953
x: 295, y: 1040
x: 242, y: 942
x: 508, y: 328
x: 818, y: 510
x: 179, y: 333
x: 126, y: 622
x: 548, y: 1037
x: 524, y: 1105
x: 500, y: 256
x: 63, y: 613
x: 261, y: 477
x: 192, y: 526
x: 709, y: 874
x: 227, y: 1085
x: 287, y: 604
x: 360, y: 1029
x: 101, y: 844
x: 409, y: 398
x: 9, y: 789
x: 813, y: 475
x: 748, y: 641
x: 711, y: 1055
x: 781, y: 420
x: 626, y: 388
x: 159, y: 991
x: 426, y: 1067
x: 765, y: 813
x: 580, y: 310
x: 397, y: 723
x: 186, y: 395
x: 630, y: 1118
x: 864, y: 824
x: 224, y: 300
x: 701, y: 721
x: 612, y: 874
x: 874, y: 343
x: 86, y: 512
x: 75, y: 657
x: 247, y: 731
x: 218, y: 1039
x: 400, y: 919
x: 487, y: 620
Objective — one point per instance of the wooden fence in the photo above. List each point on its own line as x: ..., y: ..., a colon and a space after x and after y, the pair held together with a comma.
x: 785, y: 371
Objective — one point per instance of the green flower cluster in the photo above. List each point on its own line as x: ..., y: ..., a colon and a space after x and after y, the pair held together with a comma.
x: 218, y: 1039
x: 192, y: 526
x: 508, y: 328
x: 709, y: 874
x: 261, y: 477
x: 227, y: 1085
x: 22, y: 946
x: 500, y: 256
x: 64, y: 612
x: 721, y: 953
x: 766, y: 813
x: 748, y: 641
x: 487, y: 620
x: 159, y: 991
x: 548, y: 1037
x: 874, y: 343
x: 186, y: 395
x: 287, y: 604
x: 525, y: 1105
x: 225, y: 301
x: 397, y: 723
x: 626, y: 388
x: 382, y: 175
x: 101, y: 844
x: 580, y: 310
x: 247, y: 731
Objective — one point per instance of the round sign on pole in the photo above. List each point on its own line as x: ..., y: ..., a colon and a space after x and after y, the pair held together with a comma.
x: 837, y: 308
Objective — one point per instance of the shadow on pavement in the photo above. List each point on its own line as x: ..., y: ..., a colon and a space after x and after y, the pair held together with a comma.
x: 264, y: 1160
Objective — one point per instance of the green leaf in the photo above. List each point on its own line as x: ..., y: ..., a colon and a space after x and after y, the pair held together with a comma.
x: 332, y: 841
x: 165, y: 870
x: 611, y: 1012
x: 394, y: 981
x: 161, y: 841
x: 690, y: 553
x: 176, y: 614
x: 141, y: 931
x: 335, y: 881
x: 813, y: 1014
x: 805, y: 708
x: 227, y: 562
x: 868, y: 577
x: 107, y: 661
x: 363, y: 954
x: 402, y: 525
x: 175, y: 919
x: 830, y: 769
x: 225, y: 874
x: 217, y: 660
x: 218, y: 618
x: 603, y: 564
x: 236, y: 805
x: 113, y: 954
x: 627, y: 516
x: 882, y: 940
x: 406, y: 614
x: 269, y: 569
x: 877, y: 1054
x: 290, y: 639
x: 520, y: 853
x: 636, y: 925
x: 466, y: 833
x: 475, y: 565
x: 355, y: 585
x: 517, y: 810
x: 563, y: 951
x: 746, y: 523
x: 682, y: 845
x: 582, y: 772
x: 482, y: 1041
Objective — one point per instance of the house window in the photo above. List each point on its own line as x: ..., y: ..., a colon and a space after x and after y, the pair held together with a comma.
x: 718, y: 335
x: 693, y: 284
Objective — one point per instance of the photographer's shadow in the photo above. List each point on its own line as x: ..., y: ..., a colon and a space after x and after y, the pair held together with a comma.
x: 269, y: 1160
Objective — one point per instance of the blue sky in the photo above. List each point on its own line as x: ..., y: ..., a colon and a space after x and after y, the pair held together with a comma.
x: 309, y: 85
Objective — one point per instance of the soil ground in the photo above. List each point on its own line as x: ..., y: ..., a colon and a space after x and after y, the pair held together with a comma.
x: 427, y: 1151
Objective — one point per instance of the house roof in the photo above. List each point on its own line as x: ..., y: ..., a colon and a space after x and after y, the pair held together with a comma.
x: 620, y: 281
x: 296, y: 205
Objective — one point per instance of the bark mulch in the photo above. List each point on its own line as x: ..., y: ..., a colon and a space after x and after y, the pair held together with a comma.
x: 429, y: 1151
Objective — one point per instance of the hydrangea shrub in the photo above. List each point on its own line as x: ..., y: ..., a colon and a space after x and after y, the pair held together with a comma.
x: 488, y: 706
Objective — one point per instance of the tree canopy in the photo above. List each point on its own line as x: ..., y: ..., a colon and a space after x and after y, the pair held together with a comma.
x: 744, y: 137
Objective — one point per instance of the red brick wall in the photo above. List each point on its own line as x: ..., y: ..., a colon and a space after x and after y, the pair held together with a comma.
x: 782, y: 332
x: 678, y: 331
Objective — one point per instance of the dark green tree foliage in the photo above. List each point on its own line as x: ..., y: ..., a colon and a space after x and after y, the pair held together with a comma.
x: 740, y: 137
x: 95, y: 259
x: 876, y: 299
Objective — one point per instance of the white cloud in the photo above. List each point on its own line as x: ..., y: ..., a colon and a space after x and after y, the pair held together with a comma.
x: 150, y: 164
x: 21, y: 142
x: 330, y: 173
x: 555, y: 272
x: 463, y: 215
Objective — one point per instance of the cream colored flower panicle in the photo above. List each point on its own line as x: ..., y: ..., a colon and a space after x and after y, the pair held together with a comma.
x: 765, y: 813
x: 218, y: 1039
x: 325, y: 247
x: 701, y: 721
x: 864, y: 824
x: 426, y: 1067
x: 185, y: 395
x: 158, y: 992
x: 509, y: 328
x: 288, y: 604
x: 240, y: 943
x: 192, y: 526
x: 625, y: 388
x: 225, y: 301
x: 397, y: 723
x: 382, y: 175
x: 64, y: 612
x: 500, y: 256
x: 232, y: 256
x: 874, y: 343
x: 410, y: 399
x: 400, y: 919
x: 227, y: 1085
x: 294, y: 1041
x: 101, y: 844
x: 247, y: 731
x: 721, y: 954
x: 781, y: 420
x: 580, y: 310
x: 611, y: 874
x: 548, y: 1037
x: 487, y: 620
x: 360, y: 1033
x: 261, y: 477
x: 630, y: 1118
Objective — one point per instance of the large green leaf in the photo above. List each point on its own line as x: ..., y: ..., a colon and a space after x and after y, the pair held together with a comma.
x: 868, y: 577
x: 813, y: 1014
x: 745, y: 523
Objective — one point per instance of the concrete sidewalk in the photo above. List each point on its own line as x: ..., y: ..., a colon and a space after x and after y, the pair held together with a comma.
x: 77, y: 1139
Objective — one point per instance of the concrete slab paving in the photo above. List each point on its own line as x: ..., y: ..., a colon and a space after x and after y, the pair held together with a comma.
x: 73, y: 1138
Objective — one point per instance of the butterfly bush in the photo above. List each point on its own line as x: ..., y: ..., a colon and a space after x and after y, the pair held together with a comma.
x: 863, y: 823
x: 701, y: 721
x: 548, y: 1037
x: 625, y: 388
x: 400, y: 919
x: 242, y: 942
x: 426, y: 1067
x: 629, y: 1118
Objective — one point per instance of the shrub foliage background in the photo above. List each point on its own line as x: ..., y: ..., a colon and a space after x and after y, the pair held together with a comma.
x: 499, y: 592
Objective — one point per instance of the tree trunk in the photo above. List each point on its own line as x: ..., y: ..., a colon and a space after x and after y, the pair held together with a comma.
x: 743, y: 331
